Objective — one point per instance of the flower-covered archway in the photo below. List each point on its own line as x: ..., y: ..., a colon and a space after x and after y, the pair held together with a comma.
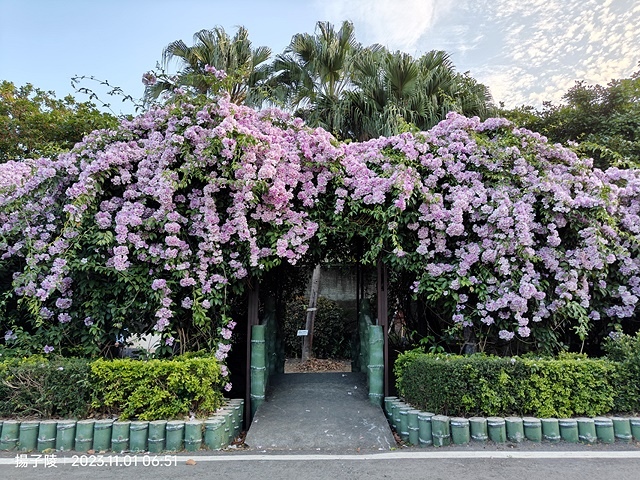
x: 157, y: 225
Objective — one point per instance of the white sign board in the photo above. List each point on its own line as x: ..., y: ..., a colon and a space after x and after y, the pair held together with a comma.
x: 303, y: 333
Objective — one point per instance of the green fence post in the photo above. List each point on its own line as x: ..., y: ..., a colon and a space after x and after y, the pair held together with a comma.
x: 157, y: 435
x: 84, y: 435
x: 10, y: 435
x: 587, y: 430
x: 478, y: 427
x: 175, y: 435
x: 425, y: 434
x: 622, y: 429
x: 440, y: 431
x: 635, y: 428
x: 604, y: 429
x: 193, y: 435
x: 460, y: 433
x: 47, y: 435
x: 120, y: 432
x: 515, y: 429
x: 65, y: 435
x: 138, y: 436
x: 28, y: 440
x: 497, y: 429
x: 258, y: 367
x: 376, y: 364
x: 532, y: 429
x: 569, y: 430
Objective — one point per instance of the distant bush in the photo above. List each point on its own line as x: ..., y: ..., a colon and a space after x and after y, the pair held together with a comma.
x: 626, y: 350
x: 480, y: 385
x: 331, y: 332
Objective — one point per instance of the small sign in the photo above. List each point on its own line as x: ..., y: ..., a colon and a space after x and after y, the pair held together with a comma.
x: 303, y: 333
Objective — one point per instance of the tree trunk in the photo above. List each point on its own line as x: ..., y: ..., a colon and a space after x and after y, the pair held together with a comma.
x: 307, y: 341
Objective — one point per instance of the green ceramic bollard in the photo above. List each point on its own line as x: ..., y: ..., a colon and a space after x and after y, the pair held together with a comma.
x: 102, y: 435
x: 440, y: 431
x: 10, y: 435
x: 258, y: 367
x: 65, y: 435
x: 496, y: 427
x: 478, y: 427
x: 396, y: 415
x: 157, y: 432
x: 47, y: 435
x: 404, y: 423
x: 387, y: 406
x: 238, y: 406
x: 28, y: 439
x: 84, y: 435
x: 550, y: 430
x: 414, y: 428
x: 214, y: 433
x: 138, y: 436
x: 604, y: 429
x: 569, y: 430
x: 515, y: 429
x: 425, y: 438
x: 227, y: 414
x: 120, y: 432
x: 460, y: 433
x: 622, y: 429
x: 175, y: 435
x: 587, y: 430
x: 193, y: 435
x: 635, y: 428
x: 532, y: 429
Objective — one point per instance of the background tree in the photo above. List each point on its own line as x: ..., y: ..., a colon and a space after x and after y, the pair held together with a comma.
x: 35, y: 123
x: 214, y: 48
x: 604, y: 120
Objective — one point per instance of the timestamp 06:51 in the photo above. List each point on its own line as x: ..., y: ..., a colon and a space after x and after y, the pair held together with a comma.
x: 124, y: 460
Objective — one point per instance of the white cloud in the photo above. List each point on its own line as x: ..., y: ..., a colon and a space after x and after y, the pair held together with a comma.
x: 397, y: 24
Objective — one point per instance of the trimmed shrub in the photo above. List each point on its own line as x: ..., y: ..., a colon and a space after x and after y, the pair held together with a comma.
x: 625, y: 349
x: 494, y: 386
x: 148, y: 390
x: 38, y: 387
x: 331, y: 332
x: 156, y: 389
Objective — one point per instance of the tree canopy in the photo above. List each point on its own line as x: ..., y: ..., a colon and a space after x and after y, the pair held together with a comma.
x: 35, y: 123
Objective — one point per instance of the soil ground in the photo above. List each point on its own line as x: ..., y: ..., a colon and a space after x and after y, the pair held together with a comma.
x: 316, y: 365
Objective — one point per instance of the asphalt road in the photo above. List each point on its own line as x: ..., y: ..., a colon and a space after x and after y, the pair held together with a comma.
x: 432, y: 464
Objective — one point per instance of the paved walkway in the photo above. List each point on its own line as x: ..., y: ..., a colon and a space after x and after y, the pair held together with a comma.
x: 319, y: 411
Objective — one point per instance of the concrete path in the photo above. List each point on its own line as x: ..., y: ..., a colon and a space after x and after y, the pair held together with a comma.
x: 319, y: 411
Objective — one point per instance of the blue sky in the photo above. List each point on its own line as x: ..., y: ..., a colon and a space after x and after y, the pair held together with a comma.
x: 526, y: 51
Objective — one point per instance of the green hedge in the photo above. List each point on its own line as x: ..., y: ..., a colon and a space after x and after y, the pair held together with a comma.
x: 77, y: 388
x: 492, y: 386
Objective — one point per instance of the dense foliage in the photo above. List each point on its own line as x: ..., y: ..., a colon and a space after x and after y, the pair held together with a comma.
x: 42, y: 387
x: 479, y: 385
x: 332, y: 330
x: 603, y: 120
x: 158, y: 225
x: 36, y: 123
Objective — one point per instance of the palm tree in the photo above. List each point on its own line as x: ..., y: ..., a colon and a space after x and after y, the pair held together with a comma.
x: 314, y: 72
x: 394, y: 89
x: 245, y: 65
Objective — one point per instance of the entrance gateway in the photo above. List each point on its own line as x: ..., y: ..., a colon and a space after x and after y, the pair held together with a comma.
x: 255, y: 393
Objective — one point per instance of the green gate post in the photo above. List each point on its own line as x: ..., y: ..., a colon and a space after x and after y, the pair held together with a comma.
x: 258, y: 367
x: 376, y: 364
x: 65, y: 436
x: 84, y: 435
x: 28, y: 440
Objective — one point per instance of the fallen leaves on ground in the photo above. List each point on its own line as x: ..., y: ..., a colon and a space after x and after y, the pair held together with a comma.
x: 296, y: 365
